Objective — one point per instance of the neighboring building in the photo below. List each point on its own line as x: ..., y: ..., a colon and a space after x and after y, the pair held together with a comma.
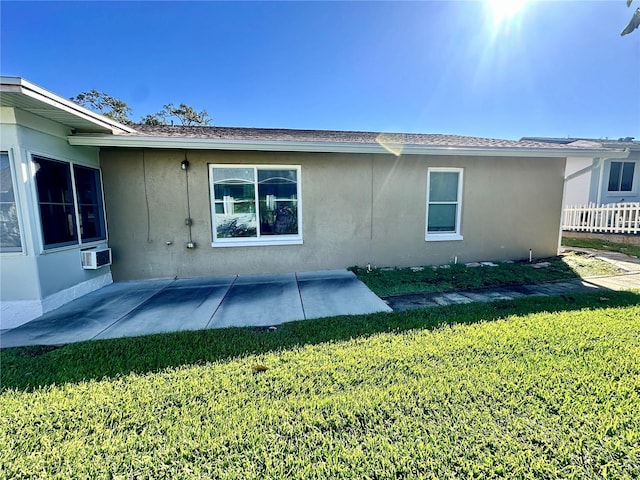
x: 600, y: 180
x: 205, y: 201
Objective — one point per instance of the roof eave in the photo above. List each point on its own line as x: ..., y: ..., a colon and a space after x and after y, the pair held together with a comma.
x: 330, y: 147
x: 24, y: 87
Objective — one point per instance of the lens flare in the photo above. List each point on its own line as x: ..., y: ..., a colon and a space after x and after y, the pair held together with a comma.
x: 503, y: 11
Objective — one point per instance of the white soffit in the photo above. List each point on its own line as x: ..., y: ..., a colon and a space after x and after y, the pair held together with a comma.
x: 18, y: 93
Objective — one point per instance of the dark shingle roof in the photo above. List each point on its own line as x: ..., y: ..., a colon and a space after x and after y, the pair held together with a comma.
x: 334, y: 136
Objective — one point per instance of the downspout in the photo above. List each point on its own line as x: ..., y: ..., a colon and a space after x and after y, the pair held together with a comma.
x: 600, y: 176
x: 579, y: 173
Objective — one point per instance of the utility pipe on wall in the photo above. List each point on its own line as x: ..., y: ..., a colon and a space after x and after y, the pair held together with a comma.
x: 184, y: 165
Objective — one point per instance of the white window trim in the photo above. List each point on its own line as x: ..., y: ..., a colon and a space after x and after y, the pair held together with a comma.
x: 633, y: 178
x: 44, y: 250
x: 445, y: 236
x: 266, y: 240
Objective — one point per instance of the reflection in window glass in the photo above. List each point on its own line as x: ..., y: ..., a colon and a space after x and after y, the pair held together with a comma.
x: 235, y: 205
x: 278, y: 196
x: 9, y: 226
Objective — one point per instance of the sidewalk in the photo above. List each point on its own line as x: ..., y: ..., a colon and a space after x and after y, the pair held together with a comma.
x: 628, y: 281
x: 620, y: 260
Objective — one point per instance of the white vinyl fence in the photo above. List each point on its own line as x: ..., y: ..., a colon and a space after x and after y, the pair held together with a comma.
x: 611, y: 218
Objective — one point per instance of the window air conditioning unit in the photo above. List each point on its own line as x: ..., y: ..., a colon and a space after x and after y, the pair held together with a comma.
x: 93, y: 259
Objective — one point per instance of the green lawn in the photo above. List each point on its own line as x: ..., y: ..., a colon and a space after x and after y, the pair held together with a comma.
x: 535, y: 388
x: 397, y: 281
x: 633, y: 250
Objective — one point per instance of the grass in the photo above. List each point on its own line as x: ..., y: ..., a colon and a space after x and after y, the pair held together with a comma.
x: 633, y: 250
x: 534, y: 388
x: 397, y: 281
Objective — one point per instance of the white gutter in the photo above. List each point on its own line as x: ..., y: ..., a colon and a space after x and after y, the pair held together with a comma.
x: 327, y: 147
x: 28, y: 89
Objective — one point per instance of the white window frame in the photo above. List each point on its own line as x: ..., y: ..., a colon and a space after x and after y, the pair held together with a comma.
x: 445, y: 236
x: 259, y: 240
x: 80, y: 243
x: 14, y: 183
x: 633, y: 183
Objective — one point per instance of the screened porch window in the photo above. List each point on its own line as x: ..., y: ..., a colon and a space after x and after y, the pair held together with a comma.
x: 61, y: 188
x: 254, y: 205
x: 444, y: 203
x: 90, y: 208
x: 9, y: 226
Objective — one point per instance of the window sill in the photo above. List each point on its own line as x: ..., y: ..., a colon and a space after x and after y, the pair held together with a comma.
x: 256, y: 243
x: 12, y: 253
x: 442, y: 237
x: 75, y: 246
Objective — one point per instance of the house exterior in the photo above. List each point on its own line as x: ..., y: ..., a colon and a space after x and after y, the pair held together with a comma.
x: 51, y: 201
x: 205, y: 201
x: 601, y: 180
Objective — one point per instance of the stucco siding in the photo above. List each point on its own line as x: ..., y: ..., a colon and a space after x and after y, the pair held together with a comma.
x: 356, y: 209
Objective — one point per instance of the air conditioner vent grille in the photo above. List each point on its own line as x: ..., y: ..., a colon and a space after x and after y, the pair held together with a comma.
x: 94, y: 259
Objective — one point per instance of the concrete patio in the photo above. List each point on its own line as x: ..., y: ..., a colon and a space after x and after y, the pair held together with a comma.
x: 159, y: 306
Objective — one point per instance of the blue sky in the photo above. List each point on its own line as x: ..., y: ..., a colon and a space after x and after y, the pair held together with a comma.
x: 558, y: 68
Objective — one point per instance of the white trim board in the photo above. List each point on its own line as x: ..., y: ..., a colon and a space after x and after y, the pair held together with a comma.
x: 329, y: 147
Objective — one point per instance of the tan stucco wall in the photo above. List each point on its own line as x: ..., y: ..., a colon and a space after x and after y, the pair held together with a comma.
x: 356, y: 209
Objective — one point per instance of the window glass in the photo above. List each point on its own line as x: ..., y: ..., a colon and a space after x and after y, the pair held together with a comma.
x: 57, y: 209
x: 278, y: 197
x: 444, y: 187
x: 442, y: 218
x: 9, y: 226
x: 626, y: 179
x: 621, y: 176
x: 255, y: 202
x: 235, y: 202
x: 90, y: 208
x: 233, y: 175
x: 614, y: 176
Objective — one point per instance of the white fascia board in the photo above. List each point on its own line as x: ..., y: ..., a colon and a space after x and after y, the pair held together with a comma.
x: 24, y: 87
x: 326, y: 147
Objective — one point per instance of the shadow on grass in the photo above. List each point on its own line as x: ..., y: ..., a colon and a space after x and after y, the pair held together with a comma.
x: 27, y: 368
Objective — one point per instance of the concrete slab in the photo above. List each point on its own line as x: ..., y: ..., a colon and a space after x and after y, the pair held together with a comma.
x: 457, y: 298
x: 441, y: 300
x: 260, y: 300
x: 336, y: 292
x: 615, y: 283
x: 85, y: 317
x: 184, y: 305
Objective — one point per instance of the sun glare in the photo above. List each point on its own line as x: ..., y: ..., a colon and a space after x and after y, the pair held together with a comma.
x: 503, y: 11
